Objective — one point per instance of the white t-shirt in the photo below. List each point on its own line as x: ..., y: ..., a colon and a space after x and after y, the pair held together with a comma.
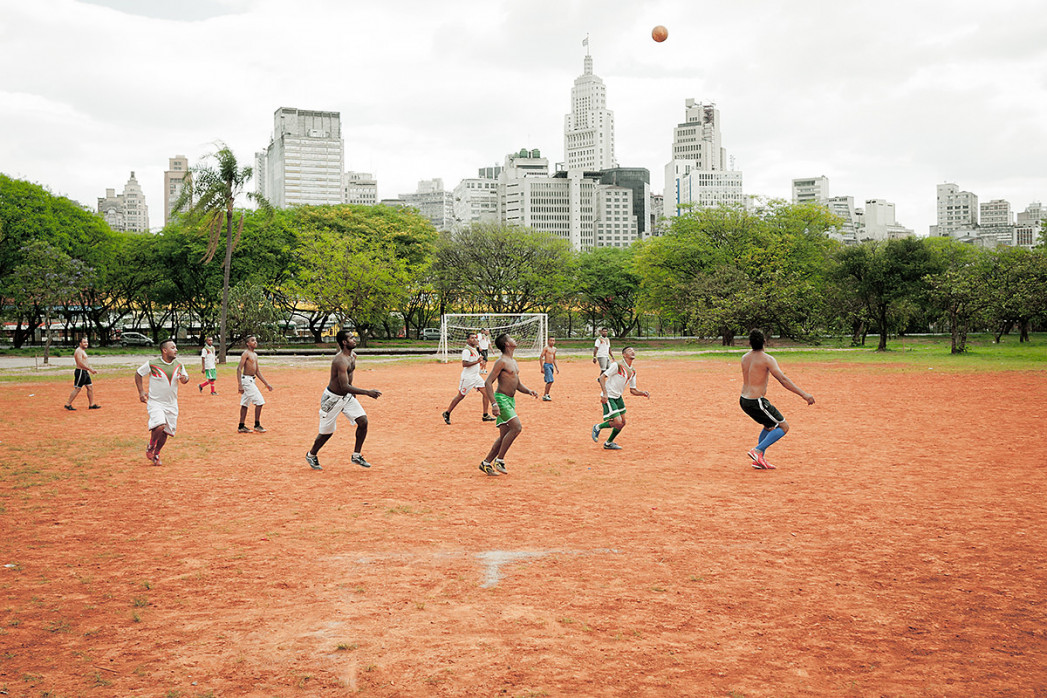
x: 484, y: 341
x: 470, y: 354
x: 207, y: 354
x: 619, y: 375
x: 603, y: 347
x: 163, y: 380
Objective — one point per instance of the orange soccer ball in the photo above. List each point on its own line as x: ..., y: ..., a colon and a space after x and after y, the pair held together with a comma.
x: 659, y: 33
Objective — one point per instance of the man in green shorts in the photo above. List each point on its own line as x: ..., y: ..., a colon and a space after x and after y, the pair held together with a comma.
x: 612, y: 385
x: 503, y: 404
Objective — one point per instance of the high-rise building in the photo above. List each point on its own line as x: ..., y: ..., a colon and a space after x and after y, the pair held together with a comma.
x: 957, y: 211
x: 813, y: 190
x: 128, y: 211
x: 359, y: 188
x: 304, y: 161
x: 476, y: 199
x: 174, y: 179
x: 879, y: 222
x: 1029, y: 225
x: 432, y: 202
x: 588, y: 133
x: 698, y: 174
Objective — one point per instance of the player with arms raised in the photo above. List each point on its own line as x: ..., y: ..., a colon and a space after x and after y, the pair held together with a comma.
x: 503, y: 404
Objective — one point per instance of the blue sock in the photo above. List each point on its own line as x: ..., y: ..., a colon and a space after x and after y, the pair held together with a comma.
x: 769, y: 437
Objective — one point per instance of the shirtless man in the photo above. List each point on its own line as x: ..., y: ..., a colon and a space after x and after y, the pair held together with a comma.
x: 756, y: 367
x: 503, y: 404
x: 339, y: 398
x: 247, y: 372
x: 546, y: 363
x: 82, y: 378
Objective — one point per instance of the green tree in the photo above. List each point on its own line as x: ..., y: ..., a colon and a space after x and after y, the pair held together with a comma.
x: 609, y: 288
x: 959, y: 287
x: 1016, y: 283
x: 209, y: 198
x: 252, y: 312
x: 46, y: 279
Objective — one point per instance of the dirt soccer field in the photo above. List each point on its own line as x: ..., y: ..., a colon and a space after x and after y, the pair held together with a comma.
x: 900, y: 549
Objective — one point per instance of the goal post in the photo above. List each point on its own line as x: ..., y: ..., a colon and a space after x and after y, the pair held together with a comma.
x: 530, y: 331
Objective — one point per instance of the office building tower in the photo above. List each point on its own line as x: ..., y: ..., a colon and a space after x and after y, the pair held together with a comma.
x: 359, y: 188
x: 476, y: 199
x: 698, y: 175
x: 814, y: 190
x: 588, y: 134
x: 174, y: 179
x: 957, y: 212
x: 432, y: 202
x: 128, y: 211
x: 304, y: 161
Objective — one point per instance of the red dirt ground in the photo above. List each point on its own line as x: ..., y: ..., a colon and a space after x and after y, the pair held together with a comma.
x: 899, y: 550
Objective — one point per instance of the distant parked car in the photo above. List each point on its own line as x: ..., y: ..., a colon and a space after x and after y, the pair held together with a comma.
x: 134, y: 339
x: 430, y: 333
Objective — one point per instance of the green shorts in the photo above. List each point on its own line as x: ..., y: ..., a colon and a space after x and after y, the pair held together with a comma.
x: 210, y: 373
x: 614, y: 407
x: 506, y: 408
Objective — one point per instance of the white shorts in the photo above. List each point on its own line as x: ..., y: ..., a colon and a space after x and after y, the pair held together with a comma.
x: 332, y: 405
x: 468, y: 383
x: 161, y: 414
x: 251, y: 392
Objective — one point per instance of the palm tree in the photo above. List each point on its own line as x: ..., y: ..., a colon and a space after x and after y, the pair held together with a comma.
x: 209, y: 196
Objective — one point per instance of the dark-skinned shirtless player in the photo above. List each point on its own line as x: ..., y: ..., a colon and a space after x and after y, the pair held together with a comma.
x: 503, y: 404
x: 340, y: 398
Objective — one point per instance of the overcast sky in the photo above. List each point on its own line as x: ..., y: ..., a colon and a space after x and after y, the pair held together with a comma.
x: 886, y: 99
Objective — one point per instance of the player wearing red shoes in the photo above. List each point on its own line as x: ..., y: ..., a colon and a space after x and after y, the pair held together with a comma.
x: 161, y: 400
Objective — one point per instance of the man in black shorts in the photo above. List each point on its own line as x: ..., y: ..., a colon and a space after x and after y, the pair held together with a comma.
x: 756, y: 367
x: 82, y: 378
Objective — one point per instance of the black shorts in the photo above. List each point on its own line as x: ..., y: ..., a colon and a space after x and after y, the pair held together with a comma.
x: 762, y: 411
x: 483, y: 353
x: 81, y: 378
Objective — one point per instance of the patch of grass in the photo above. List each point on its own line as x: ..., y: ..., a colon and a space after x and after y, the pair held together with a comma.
x: 346, y: 646
x: 58, y: 626
x: 406, y: 509
x: 173, y: 693
x: 140, y: 602
x: 136, y: 618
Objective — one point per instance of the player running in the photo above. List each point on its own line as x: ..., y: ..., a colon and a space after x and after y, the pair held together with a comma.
x: 247, y: 372
x: 470, y: 378
x: 208, y: 366
x: 507, y: 373
x: 340, y: 398
x: 82, y: 378
x: 613, y: 381
x: 161, y: 402
x: 756, y: 367
x: 547, y: 362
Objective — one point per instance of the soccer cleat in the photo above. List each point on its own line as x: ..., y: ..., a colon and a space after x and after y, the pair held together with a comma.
x: 547, y: 398
x: 149, y: 455
x: 447, y: 417
x: 70, y: 408
x: 260, y: 429
x: 596, y: 433
x: 499, y: 465
x: 488, y: 468
x: 752, y: 455
x: 761, y: 462
x: 156, y: 459
x: 359, y: 460
x: 95, y: 406
x: 201, y: 387
x: 612, y: 446
x: 313, y: 461
x: 214, y: 392
x: 488, y: 418
x: 243, y: 430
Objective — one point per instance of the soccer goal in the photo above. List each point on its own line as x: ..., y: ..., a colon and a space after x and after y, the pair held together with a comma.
x: 528, y: 329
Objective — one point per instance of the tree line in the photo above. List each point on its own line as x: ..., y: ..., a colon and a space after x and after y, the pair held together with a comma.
x: 715, y: 272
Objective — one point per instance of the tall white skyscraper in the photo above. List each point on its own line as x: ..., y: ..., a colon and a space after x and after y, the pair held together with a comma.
x: 304, y: 161
x: 588, y: 132
x: 127, y: 211
x: 476, y: 199
x: 698, y: 174
x: 957, y: 211
x: 433, y: 202
x: 814, y: 190
x: 174, y: 178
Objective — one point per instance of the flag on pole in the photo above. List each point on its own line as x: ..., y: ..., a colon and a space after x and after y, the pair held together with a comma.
x: 585, y: 41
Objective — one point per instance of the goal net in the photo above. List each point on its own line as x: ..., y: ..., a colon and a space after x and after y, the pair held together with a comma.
x: 528, y: 329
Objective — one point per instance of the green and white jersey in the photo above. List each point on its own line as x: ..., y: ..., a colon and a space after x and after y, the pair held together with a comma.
x: 619, y: 375
x: 163, y: 379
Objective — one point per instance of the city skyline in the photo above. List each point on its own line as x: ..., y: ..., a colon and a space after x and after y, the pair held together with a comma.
x: 887, y: 103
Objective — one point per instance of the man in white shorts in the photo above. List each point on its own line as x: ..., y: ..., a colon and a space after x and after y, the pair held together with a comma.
x: 340, y: 398
x: 602, y: 350
x: 470, y: 378
x: 247, y: 373
x: 484, y: 344
x: 161, y: 402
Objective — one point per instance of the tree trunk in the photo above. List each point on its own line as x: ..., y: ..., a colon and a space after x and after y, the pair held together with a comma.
x: 882, y: 344
x: 47, y: 335
x: 1023, y: 335
x: 225, y: 280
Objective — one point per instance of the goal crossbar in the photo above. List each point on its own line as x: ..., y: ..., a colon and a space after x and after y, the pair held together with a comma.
x: 530, y: 331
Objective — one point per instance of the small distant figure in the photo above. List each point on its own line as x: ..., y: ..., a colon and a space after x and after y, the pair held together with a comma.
x: 161, y: 402
x: 340, y: 398
x: 470, y: 379
x: 503, y: 404
x: 757, y: 365
x: 613, y: 382
x: 82, y: 377
x: 247, y: 373
x: 602, y: 350
x: 208, y: 366
x: 547, y: 363
x: 484, y: 344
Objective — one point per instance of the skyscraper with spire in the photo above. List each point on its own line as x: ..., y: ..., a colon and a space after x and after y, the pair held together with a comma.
x: 588, y: 133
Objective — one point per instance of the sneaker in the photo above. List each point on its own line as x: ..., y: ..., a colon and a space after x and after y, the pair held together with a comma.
x: 214, y: 392
x: 752, y: 455
x: 596, y: 433
x: 488, y: 418
x: 499, y: 465
x: 201, y: 387
x: 313, y: 461
x: 359, y: 460
x: 761, y: 463
x: 447, y: 417
x: 156, y: 459
x: 612, y: 446
x: 95, y: 406
x: 260, y: 429
x: 149, y: 455
x: 488, y: 468
x: 243, y: 430
x: 547, y: 398
x: 70, y: 408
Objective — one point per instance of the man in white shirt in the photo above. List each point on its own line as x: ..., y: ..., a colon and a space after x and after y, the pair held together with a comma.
x: 208, y: 366
x: 484, y: 344
x: 161, y: 401
x: 470, y: 378
x: 612, y: 385
x: 602, y: 350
